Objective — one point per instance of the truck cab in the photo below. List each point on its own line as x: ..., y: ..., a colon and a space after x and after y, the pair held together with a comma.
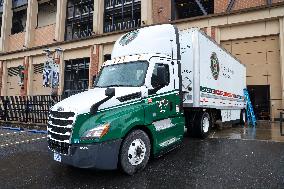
x: 133, y: 112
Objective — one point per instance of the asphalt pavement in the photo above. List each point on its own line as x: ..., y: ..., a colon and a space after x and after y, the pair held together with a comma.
x: 210, y: 163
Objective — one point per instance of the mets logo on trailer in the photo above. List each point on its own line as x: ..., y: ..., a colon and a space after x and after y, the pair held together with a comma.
x: 215, y: 67
x: 127, y: 38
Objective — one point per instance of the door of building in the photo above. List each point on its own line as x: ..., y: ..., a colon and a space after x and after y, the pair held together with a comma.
x: 260, y: 95
x: 76, y: 76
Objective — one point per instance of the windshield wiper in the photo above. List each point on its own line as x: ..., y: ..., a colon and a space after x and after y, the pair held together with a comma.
x: 110, y: 86
x: 115, y: 86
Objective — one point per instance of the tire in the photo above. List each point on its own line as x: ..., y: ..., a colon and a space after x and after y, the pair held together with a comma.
x: 136, y: 142
x: 202, y: 125
x: 243, y: 118
x: 189, y: 123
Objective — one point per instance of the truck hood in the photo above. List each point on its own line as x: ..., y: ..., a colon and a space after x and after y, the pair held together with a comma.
x: 81, y: 103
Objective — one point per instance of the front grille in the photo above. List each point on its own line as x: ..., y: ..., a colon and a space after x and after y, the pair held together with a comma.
x: 59, y: 131
x: 58, y: 136
x: 64, y: 115
x: 63, y: 130
x: 59, y: 147
x: 60, y: 122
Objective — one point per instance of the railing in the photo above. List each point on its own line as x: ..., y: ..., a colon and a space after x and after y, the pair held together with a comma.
x: 281, y: 123
x: 122, y: 25
x: 29, y: 109
x: 26, y: 109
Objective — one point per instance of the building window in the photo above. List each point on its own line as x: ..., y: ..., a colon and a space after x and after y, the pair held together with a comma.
x: 121, y: 14
x: 19, y: 3
x: 19, y: 16
x: 1, y: 6
x: 76, y: 77
x: 191, y: 8
x: 46, y: 13
x: 79, y: 22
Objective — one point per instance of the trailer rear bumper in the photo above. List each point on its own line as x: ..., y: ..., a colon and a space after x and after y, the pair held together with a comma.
x: 98, y: 155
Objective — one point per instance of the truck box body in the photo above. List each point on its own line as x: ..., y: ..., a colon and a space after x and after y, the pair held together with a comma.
x: 211, y: 77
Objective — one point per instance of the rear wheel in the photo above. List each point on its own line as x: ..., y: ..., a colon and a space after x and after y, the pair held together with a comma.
x: 202, y: 125
x: 135, y: 152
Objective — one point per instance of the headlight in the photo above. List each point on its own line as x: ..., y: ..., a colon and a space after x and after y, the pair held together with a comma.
x: 97, y: 132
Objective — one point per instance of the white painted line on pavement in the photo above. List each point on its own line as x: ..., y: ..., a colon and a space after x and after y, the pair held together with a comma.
x: 3, y: 134
x: 22, y: 142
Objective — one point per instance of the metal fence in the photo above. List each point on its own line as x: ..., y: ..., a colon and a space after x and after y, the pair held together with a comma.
x: 281, y: 123
x: 26, y: 109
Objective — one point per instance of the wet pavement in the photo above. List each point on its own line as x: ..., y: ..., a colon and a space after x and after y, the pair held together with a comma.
x: 263, y: 131
x: 225, y: 160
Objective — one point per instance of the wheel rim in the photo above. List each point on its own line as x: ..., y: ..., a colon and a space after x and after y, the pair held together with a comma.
x: 136, y: 152
x: 205, y: 124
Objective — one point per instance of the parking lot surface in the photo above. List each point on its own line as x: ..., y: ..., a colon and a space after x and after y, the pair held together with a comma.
x: 211, y: 163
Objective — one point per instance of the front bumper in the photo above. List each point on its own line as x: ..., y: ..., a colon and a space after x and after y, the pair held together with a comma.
x: 98, y: 155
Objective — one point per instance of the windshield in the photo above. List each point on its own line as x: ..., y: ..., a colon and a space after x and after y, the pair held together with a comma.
x: 130, y: 74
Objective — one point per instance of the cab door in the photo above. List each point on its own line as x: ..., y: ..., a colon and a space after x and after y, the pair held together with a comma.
x: 163, y: 108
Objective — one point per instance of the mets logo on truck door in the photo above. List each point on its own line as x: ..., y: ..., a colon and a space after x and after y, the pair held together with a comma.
x: 215, y: 67
x: 127, y: 38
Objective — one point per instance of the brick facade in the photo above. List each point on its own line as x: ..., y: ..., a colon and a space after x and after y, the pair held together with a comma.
x: 44, y: 35
x: 16, y: 41
x: 213, y: 33
x: 26, y: 67
x: 221, y: 6
x: 161, y: 11
x: 244, y: 4
x: 94, y: 63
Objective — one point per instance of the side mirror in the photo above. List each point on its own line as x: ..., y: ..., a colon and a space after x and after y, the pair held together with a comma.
x: 110, y: 92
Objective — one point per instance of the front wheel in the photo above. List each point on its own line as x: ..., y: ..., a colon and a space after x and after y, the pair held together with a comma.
x: 135, y: 152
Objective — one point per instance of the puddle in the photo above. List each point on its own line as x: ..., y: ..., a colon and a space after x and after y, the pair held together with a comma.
x: 263, y: 131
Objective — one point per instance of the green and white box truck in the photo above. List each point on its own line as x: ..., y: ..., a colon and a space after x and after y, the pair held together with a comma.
x: 159, y: 81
